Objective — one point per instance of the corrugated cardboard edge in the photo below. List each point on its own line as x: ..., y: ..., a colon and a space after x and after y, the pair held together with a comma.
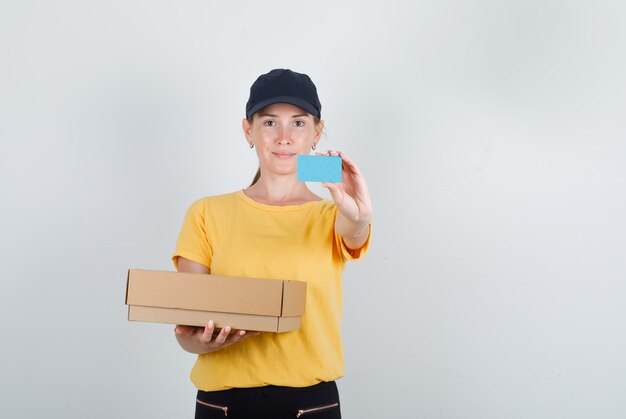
x: 127, y: 279
x: 126, y: 298
x: 201, y: 318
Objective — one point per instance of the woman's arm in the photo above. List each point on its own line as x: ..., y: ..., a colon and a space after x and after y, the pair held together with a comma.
x: 201, y: 340
x: 354, y: 234
x: 353, y: 201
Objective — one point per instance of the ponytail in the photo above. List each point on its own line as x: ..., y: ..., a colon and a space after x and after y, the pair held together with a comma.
x: 256, y: 177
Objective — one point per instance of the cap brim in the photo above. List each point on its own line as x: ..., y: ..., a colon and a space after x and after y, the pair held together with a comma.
x: 283, y: 99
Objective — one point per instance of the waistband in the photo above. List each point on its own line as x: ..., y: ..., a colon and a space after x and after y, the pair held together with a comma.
x: 269, y: 389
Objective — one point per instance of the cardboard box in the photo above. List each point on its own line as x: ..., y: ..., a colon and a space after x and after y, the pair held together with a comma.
x: 266, y: 305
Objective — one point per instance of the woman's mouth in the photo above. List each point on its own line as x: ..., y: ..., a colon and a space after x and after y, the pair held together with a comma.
x: 284, y: 155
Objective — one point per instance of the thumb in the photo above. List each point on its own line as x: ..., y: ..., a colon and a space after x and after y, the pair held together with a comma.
x: 335, y: 192
x: 183, y: 330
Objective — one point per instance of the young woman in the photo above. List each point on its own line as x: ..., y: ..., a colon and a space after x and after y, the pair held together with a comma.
x: 276, y: 228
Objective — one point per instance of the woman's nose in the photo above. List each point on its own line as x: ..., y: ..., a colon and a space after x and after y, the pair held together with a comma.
x: 284, y: 136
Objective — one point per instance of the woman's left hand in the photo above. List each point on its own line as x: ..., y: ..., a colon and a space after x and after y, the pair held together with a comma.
x: 351, y: 196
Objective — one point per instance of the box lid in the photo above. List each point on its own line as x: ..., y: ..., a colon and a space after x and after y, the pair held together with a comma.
x: 214, y: 293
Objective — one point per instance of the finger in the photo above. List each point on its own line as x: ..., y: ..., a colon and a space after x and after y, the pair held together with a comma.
x: 335, y: 192
x: 207, y: 335
x: 246, y: 334
x: 348, y: 163
x: 236, y: 337
x: 328, y: 153
x: 332, y: 187
x: 221, y: 338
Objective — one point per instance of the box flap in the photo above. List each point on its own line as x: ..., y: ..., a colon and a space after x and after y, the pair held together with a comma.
x: 127, y: 281
x: 205, y: 292
x: 294, y: 298
x: 288, y: 324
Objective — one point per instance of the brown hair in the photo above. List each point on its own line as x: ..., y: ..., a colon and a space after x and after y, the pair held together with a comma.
x: 257, y: 176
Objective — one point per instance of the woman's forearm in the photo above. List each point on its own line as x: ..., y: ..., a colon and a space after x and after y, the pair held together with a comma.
x: 353, y: 233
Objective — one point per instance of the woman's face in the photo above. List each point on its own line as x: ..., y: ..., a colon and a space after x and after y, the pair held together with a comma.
x: 279, y: 133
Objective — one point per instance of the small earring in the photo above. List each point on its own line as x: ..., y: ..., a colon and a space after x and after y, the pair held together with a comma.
x: 314, y: 146
x: 251, y: 145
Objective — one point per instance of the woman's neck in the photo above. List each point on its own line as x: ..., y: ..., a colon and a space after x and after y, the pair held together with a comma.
x: 280, y: 191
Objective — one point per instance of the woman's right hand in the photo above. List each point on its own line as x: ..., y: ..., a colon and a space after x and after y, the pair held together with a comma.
x: 200, y: 340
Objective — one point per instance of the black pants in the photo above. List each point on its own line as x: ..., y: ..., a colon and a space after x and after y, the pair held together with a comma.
x: 320, y: 401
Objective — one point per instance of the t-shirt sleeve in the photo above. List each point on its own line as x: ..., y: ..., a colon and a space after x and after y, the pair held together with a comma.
x: 193, y: 241
x: 353, y: 254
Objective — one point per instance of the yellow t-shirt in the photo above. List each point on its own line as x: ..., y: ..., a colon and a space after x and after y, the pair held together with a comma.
x: 236, y: 236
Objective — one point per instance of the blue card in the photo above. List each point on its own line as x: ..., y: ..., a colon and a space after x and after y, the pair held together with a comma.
x: 315, y: 168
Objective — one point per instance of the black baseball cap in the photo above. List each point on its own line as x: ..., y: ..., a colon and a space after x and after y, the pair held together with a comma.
x: 284, y: 86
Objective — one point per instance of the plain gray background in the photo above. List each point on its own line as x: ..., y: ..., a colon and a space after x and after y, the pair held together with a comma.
x: 491, y: 133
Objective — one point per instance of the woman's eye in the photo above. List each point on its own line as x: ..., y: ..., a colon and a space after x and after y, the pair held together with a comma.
x: 299, y: 123
x: 270, y: 123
